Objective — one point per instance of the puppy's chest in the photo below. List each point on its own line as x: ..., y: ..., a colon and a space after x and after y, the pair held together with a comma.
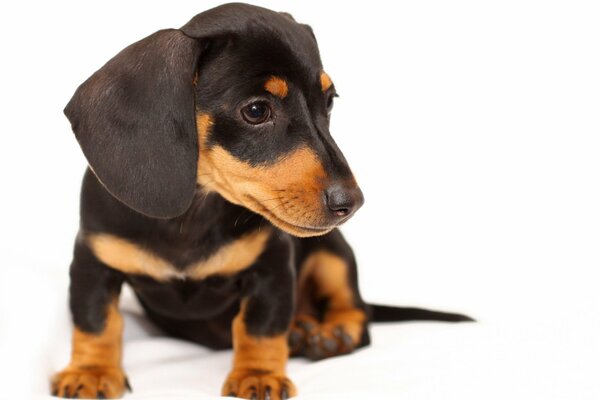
x: 164, y: 262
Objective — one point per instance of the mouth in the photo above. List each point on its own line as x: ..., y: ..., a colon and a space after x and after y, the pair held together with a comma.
x: 293, y: 229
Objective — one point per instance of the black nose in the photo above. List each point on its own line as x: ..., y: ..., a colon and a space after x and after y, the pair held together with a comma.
x: 343, y: 201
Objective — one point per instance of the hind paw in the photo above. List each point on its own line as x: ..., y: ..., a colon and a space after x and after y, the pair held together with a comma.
x: 315, y: 340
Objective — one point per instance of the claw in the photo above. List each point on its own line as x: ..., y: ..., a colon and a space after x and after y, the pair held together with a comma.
x: 268, y: 393
x: 347, y: 341
x: 295, y: 339
x: 284, y: 394
x: 77, y: 389
x: 338, y: 331
x: 330, y: 345
x: 314, y: 340
x: 306, y: 325
x: 314, y: 353
x: 127, y: 385
x: 101, y: 394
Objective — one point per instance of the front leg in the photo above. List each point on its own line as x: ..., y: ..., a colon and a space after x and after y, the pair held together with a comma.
x: 95, y: 367
x: 261, y: 327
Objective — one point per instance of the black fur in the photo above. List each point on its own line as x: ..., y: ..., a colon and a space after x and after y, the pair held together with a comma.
x: 95, y: 287
x: 383, y: 313
x: 135, y: 121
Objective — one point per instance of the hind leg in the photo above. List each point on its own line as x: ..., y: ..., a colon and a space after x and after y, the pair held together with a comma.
x: 331, y: 318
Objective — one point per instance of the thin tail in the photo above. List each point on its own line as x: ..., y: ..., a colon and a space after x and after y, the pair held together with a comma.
x: 381, y: 313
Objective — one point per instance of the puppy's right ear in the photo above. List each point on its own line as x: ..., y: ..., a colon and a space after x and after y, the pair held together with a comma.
x: 134, y: 119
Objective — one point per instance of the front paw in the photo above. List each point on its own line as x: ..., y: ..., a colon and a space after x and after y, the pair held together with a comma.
x: 90, y: 383
x: 258, y: 385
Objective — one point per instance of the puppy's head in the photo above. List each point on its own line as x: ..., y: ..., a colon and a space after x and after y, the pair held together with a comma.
x: 235, y: 102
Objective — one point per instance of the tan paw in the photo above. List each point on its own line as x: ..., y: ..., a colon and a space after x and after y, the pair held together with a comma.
x: 258, y: 385
x: 90, y: 383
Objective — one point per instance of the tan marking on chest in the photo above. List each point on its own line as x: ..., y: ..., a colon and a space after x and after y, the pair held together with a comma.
x: 233, y: 257
x: 131, y: 258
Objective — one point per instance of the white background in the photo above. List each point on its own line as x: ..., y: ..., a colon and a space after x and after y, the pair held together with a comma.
x: 474, y: 130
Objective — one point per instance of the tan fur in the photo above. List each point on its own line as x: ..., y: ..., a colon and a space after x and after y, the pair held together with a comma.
x: 128, y: 257
x: 283, y: 192
x: 268, y: 354
x: 203, y: 124
x: 101, y: 350
x: 131, y: 258
x: 325, y: 81
x: 277, y: 86
x: 257, y: 362
x: 95, y: 361
x: 232, y: 257
x: 329, y: 274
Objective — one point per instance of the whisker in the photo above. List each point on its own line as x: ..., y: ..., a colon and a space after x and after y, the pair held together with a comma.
x: 248, y: 218
x: 245, y: 210
x: 271, y: 199
x: 274, y: 198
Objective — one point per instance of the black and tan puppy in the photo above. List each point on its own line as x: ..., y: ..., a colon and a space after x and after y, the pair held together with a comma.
x: 211, y: 167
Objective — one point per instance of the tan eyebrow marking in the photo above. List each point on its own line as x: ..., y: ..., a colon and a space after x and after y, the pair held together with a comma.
x: 325, y: 81
x: 276, y: 86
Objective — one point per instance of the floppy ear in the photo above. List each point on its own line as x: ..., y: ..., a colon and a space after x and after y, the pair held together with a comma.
x: 134, y: 119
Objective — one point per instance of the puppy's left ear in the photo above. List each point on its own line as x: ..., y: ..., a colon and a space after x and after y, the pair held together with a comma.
x: 134, y: 119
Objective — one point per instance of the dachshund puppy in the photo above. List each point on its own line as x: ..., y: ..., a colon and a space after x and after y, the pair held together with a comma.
x: 214, y: 190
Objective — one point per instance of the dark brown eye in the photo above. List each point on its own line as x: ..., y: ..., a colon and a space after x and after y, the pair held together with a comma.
x: 330, y: 102
x: 256, y: 113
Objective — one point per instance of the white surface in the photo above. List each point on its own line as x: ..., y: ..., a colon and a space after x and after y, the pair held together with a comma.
x: 473, y: 129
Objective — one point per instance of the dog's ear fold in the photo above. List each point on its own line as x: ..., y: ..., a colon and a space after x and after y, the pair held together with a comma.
x: 288, y: 15
x: 304, y: 26
x: 134, y: 119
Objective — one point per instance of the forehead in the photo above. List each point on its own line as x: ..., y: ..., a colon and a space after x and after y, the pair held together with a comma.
x: 274, y: 46
x: 295, y: 55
